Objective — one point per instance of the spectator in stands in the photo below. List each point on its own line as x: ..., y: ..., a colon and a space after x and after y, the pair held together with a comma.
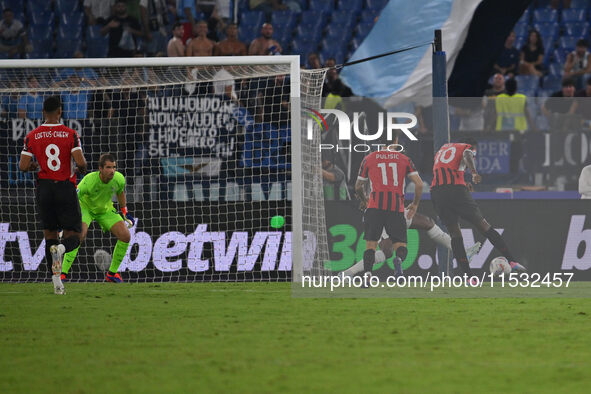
x: 268, y: 6
x: 175, y: 45
x: 30, y: 105
x: 532, y: 55
x: 578, y: 63
x: 200, y: 45
x: 314, y: 61
x: 333, y: 178
x: 265, y: 44
x: 13, y: 38
x: 10, y: 101
x: 561, y: 102
x: 469, y: 112
x: 87, y: 75
x: 223, y: 8
x: 557, y: 3
x: 508, y: 61
x: 154, y: 17
x: 98, y: 11
x: 488, y: 102
x: 231, y: 46
x: 498, y: 86
x: 275, y: 98
x: 216, y: 25
x: 333, y: 83
x: 75, y: 101
x: 123, y: 30
x: 511, y: 109
x: 188, y: 14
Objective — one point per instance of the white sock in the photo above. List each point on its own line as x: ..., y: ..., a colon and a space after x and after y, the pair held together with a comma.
x: 380, y: 256
x: 440, y: 237
x: 358, y: 267
x: 354, y: 269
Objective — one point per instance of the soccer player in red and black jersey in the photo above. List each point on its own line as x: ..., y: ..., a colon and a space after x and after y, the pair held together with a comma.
x: 452, y: 200
x: 55, y: 147
x: 386, y: 171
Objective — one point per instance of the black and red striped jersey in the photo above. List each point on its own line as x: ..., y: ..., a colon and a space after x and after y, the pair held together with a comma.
x: 449, y: 165
x: 386, y: 172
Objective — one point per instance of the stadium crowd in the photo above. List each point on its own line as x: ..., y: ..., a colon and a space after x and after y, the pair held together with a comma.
x: 547, y: 55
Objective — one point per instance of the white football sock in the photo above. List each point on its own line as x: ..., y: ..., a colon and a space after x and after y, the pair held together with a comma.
x: 440, y: 237
x: 358, y: 267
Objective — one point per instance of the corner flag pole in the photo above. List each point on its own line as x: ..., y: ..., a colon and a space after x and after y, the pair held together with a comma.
x: 440, y: 127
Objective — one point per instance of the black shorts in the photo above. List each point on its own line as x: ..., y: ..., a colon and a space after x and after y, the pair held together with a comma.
x: 452, y: 202
x: 376, y: 220
x: 58, y: 205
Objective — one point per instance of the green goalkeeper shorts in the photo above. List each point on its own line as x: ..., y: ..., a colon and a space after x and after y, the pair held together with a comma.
x: 105, y: 220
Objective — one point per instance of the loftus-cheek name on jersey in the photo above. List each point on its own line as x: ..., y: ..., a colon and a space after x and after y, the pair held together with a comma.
x: 51, y: 134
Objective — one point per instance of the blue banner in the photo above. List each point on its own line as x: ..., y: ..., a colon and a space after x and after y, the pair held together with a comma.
x: 493, y: 156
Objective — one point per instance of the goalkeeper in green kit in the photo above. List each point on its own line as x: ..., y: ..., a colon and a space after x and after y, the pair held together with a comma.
x: 95, y: 193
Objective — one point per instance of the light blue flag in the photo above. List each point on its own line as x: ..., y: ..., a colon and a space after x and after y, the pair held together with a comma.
x: 401, y: 24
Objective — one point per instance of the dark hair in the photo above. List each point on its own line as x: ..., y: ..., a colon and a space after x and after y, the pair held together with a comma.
x: 105, y: 157
x: 470, y: 141
x: 540, y: 43
x: 176, y: 24
x: 52, y: 104
x: 511, y: 86
x: 568, y: 82
x: 582, y: 43
x: 7, y: 10
x: 327, y: 155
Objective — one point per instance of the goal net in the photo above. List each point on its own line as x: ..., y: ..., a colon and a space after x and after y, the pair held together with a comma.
x: 212, y: 153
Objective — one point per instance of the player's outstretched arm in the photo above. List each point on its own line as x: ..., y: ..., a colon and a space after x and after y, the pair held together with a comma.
x: 80, y: 161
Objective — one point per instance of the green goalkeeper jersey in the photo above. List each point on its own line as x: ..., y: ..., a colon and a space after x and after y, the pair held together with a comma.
x: 97, y: 195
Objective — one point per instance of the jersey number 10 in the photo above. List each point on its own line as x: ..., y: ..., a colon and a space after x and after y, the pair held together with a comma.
x: 445, y: 156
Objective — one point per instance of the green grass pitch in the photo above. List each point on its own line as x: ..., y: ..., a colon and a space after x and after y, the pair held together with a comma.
x: 225, y: 338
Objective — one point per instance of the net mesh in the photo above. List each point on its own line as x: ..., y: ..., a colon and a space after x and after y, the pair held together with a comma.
x: 206, y: 153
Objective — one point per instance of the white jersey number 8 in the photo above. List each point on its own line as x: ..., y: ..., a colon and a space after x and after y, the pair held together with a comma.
x: 53, y: 160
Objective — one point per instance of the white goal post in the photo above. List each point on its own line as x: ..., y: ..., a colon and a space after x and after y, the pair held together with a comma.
x: 211, y: 147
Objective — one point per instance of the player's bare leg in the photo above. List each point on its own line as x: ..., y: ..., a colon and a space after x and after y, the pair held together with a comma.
x: 70, y: 256
x: 498, y: 242
x: 457, y: 244
x: 369, y: 256
x: 422, y: 222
